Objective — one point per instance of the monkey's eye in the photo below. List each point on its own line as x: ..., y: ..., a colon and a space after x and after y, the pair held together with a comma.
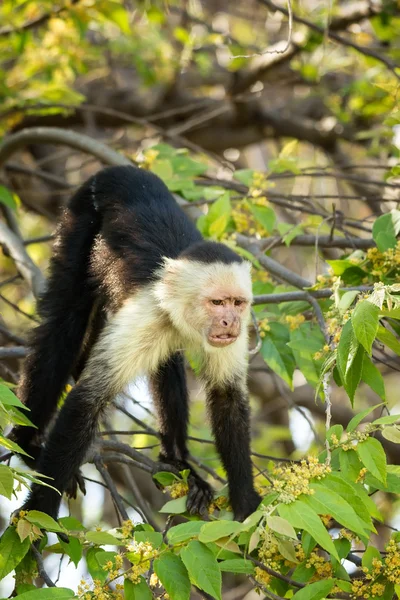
x: 217, y: 302
x: 238, y: 302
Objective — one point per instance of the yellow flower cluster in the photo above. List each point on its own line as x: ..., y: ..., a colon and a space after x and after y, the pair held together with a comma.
x: 323, y: 568
x: 268, y: 552
x: 384, y: 262
x: 389, y: 568
x: 114, y: 572
x: 150, y: 156
x: 242, y: 216
x: 262, y: 276
x: 361, y: 475
x: 154, y: 581
x: 100, y: 591
x: 127, y: 529
x: 145, y: 552
x: 294, y: 480
x: 392, y: 562
x: 294, y: 321
x: 325, y: 281
x: 262, y: 577
x: 177, y: 489
x: 263, y: 326
x: 220, y: 503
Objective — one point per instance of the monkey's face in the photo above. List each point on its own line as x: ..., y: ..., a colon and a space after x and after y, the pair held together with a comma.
x: 225, y: 316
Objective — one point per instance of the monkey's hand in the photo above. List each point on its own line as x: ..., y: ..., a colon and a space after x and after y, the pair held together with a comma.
x: 200, y: 493
x: 77, y: 482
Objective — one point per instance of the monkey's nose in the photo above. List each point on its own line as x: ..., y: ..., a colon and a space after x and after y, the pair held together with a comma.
x: 224, y: 323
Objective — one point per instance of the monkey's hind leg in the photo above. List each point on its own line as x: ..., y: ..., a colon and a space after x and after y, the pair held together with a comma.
x: 171, y: 400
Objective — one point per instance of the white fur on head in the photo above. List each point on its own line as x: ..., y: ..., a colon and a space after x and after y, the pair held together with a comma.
x: 184, y: 286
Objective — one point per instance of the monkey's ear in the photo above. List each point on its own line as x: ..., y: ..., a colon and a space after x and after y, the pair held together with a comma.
x: 172, y: 266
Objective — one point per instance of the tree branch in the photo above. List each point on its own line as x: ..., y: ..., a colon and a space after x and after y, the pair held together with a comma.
x: 56, y: 135
x: 25, y: 265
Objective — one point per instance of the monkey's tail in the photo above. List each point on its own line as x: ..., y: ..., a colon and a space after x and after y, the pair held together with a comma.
x: 65, y: 309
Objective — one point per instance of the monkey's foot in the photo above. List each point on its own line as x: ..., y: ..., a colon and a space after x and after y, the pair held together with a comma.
x: 200, y: 493
x: 77, y: 482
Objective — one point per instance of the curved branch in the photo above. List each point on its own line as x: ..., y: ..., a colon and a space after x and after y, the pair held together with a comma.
x: 56, y: 135
x: 23, y: 261
x: 271, y: 265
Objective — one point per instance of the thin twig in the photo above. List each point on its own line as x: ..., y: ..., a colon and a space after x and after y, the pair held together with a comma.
x: 40, y: 566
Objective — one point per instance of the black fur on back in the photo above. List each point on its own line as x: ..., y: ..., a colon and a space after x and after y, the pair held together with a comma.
x: 111, y: 240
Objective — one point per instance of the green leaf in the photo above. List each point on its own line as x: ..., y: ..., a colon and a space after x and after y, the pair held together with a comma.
x: 12, y: 551
x: 53, y: 593
x: 350, y: 464
x: 347, y: 349
x: 42, y: 520
x: 373, y: 457
x: 385, y: 229
x: 388, y: 420
x: 102, y: 537
x: 373, y: 377
x: 184, y: 531
x: 354, y: 494
x: 71, y: 524
x: 137, y: 591
x: 356, y: 420
x: 244, y: 176
x: 73, y: 548
x: 7, y: 198
x: 237, y: 565
x: 276, y: 353
x: 6, y: 481
x: 172, y: 573
x: 93, y: 565
x: 10, y: 445
x: 327, y: 502
x: 8, y: 398
x: 165, y: 478
x: 302, y: 516
x: 203, y: 568
x: 265, y: 215
x: 365, y: 320
x: 392, y: 434
x: 217, y: 530
x: 353, y: 376
x: 17, y: 417
x: 315, y: 591
x: 174, y: 507
x: 305, y: 341
x: 347, y: 300
x: 281, y: 526
x: 389, y: 339
x: 369, y: 555
x: 154, y: 538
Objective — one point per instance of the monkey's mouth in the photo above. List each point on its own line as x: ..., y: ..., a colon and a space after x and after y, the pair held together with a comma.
x: 224, y: 339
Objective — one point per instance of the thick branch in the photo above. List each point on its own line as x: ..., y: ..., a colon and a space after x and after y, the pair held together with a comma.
x: 23, y: 261
x: 56, y: 135
x: 271, y: 265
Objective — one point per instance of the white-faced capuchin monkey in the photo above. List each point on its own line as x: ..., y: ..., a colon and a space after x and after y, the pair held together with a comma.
x: 131, y: 284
